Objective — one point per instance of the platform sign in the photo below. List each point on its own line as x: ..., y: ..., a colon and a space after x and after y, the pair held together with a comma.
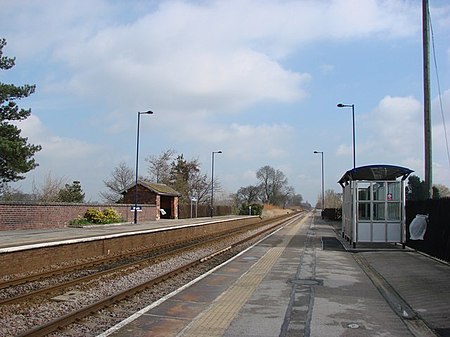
x: 137, y: 208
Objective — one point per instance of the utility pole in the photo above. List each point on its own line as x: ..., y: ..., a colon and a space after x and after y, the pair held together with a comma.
x: 426, y: 98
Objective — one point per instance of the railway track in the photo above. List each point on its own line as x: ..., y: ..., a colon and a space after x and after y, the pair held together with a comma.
x: 188, y: 256
x: 103, y: 266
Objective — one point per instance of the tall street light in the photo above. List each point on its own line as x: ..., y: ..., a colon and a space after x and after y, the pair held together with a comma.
x: 137, y: 163
x: 212, y: 181
x: 340, y: 105
x: 323, y: 191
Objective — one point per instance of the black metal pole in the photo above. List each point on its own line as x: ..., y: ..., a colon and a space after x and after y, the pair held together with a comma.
x: 212, y: 181
x: 212, y: 185
x: 323, y: 188
x: 323, y: 179
x: 137, y: 164
x: 340, y: 105
x: 136, y: 169
x: 354, y: 137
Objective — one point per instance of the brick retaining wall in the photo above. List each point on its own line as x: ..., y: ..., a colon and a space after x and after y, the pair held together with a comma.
x: 58, y: 215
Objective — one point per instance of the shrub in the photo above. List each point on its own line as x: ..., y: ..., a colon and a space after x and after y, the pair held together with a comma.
x: 111, y: 215
x: 79, y: 221
x: 256, y: 209
x: 94, y: 215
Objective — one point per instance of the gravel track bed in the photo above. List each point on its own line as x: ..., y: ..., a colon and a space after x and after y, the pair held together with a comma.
x: 94, y: 325
x: 139, y: 254
x: 18, y: 318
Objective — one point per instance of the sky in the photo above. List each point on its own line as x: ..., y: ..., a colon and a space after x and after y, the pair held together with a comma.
x: 258, y: 80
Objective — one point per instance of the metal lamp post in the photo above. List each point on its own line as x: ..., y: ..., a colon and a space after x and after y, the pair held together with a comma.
x: 323, y: 191
x: 212, y: 181
x: 340, y: 105
x: 137, y: 162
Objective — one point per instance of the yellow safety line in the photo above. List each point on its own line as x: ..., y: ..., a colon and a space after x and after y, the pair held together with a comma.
x: 215, y: 320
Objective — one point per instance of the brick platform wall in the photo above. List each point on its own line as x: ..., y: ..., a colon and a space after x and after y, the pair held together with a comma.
x: 15, y: 216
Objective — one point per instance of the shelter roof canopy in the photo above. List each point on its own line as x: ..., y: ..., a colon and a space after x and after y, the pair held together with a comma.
x: 375, y: 172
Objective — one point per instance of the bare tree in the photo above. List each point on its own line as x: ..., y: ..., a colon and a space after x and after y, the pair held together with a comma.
x: 14, y: 194
x: 332, y: 199
x: 199, y: 187
x: 286, y: 193
x: 296, y: 200
x: 159, y: 166
x: 121, y: 178
x: 444, y: 191
x: 249, y: 194
x: 273, y: 184
x: 49, y: 190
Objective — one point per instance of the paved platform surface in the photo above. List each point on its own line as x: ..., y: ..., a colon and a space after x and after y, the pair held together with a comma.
x: 303, y: 282
x: 35, y: 236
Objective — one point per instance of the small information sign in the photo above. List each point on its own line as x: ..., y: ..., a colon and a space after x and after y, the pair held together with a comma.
x: 137, y: 208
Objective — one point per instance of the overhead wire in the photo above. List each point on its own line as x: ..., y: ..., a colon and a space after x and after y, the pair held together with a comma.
x: 439, y: 88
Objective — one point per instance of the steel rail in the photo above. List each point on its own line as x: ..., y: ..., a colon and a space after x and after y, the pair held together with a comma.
x: 61, y: 322
x: 182, y: 246
x: 98, y: 262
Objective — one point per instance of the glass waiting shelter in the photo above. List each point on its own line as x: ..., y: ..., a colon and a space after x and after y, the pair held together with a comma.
x: 373, y: 208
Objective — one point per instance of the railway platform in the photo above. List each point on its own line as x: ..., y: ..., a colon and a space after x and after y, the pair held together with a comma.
x: 40, y: 237
x: 304, y: 281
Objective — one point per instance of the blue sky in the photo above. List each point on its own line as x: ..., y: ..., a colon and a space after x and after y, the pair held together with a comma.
x: 258, y: 80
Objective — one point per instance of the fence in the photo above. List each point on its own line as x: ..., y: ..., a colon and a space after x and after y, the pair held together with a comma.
x: 436, y: 241
x: 437, y: 236
x: 334, y: 214
x: 199, y: 211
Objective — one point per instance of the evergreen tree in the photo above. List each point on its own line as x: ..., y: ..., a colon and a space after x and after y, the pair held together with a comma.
x: 16, y: 154
x: 417, y: 189
x: 71, y: 193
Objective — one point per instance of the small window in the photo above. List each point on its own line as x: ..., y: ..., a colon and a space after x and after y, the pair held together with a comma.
x: 378, y: 211
x: 363, y: 191
x: 393, y: 191
x: 393, y: 211
x: 379, y: 191
x: 364, y: 211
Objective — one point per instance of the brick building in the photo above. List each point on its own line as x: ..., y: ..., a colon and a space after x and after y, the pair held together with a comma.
x: 162, y: 196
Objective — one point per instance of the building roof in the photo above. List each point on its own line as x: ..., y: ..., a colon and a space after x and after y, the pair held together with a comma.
x: 161, y: 189
x: 375, y: 172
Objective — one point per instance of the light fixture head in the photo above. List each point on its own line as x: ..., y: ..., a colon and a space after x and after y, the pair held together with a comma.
x: 340, y: 105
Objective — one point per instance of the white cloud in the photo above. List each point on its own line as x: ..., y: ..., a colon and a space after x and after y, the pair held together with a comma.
x: 393, y: 133
x: 202, y: 66
x: 215, y: 56
x: 68, y: 158
x: 244, y: 142
x: 55, y: 147
x: 393, y: 129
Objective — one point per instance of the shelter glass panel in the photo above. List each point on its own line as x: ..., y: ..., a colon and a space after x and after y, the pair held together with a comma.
x: 379, y: 191
x: 379, y: 232
x: 364, y: 232
x: 378, y: 211
x: 393, y: 232
x: 364, y: 211
x: 393, y: 211
x: 393, y: 191
x: 363, y: 191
